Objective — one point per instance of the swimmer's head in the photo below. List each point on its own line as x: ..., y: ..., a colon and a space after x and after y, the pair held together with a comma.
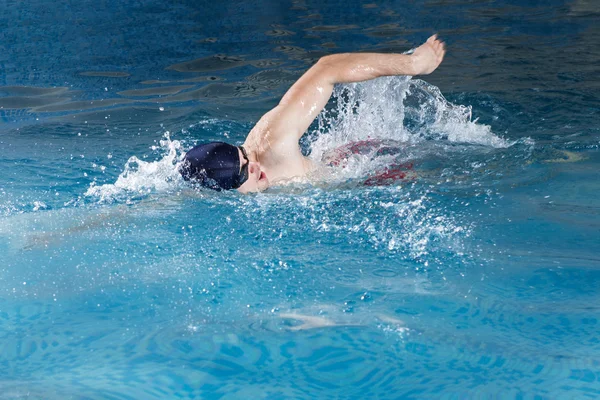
x: 222, y: 166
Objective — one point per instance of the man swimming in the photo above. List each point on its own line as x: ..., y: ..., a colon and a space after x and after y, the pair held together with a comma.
x: 271, y: 153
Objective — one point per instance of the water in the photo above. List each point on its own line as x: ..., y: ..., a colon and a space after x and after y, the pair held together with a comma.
x: 475, y: 276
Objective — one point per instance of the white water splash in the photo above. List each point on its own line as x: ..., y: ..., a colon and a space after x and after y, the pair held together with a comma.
x: 143, y: 177
x: 417, y: 225
x: 399, y: 109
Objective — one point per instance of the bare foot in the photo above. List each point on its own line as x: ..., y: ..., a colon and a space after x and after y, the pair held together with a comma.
x: 308, y: 321
x: 428, y: 56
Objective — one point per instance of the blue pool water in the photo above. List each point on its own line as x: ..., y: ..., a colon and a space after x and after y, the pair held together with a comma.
x: 475, y: 277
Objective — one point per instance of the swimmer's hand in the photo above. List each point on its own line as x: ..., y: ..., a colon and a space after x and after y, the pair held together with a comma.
x: 428, y: 56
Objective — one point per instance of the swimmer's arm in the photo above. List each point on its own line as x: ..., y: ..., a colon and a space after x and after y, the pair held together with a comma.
x: 308, y: 96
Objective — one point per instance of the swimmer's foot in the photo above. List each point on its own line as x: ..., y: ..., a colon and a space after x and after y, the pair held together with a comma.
x: 308, y: 321
x: 568, y: 157
x: 428, y: 56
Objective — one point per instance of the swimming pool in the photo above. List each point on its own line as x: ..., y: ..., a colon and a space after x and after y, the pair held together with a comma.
x: 475, y: 277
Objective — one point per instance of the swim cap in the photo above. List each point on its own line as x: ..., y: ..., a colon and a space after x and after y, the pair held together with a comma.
x: 214, y: 165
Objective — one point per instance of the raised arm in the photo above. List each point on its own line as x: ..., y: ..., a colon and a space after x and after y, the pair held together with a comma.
x: 287, y: 122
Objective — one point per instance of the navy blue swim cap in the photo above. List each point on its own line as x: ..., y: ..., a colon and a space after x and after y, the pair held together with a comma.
x: 214, y: 165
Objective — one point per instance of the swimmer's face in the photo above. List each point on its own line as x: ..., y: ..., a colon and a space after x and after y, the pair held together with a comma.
x: 257, y: 179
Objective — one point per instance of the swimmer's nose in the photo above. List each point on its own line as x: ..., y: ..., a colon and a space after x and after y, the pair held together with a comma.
x: 254, y: 169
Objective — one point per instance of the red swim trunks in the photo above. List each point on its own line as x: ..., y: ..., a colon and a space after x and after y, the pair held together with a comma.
x: 374, y: 147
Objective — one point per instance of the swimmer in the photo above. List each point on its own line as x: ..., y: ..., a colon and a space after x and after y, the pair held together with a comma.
x: 271, y: 152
